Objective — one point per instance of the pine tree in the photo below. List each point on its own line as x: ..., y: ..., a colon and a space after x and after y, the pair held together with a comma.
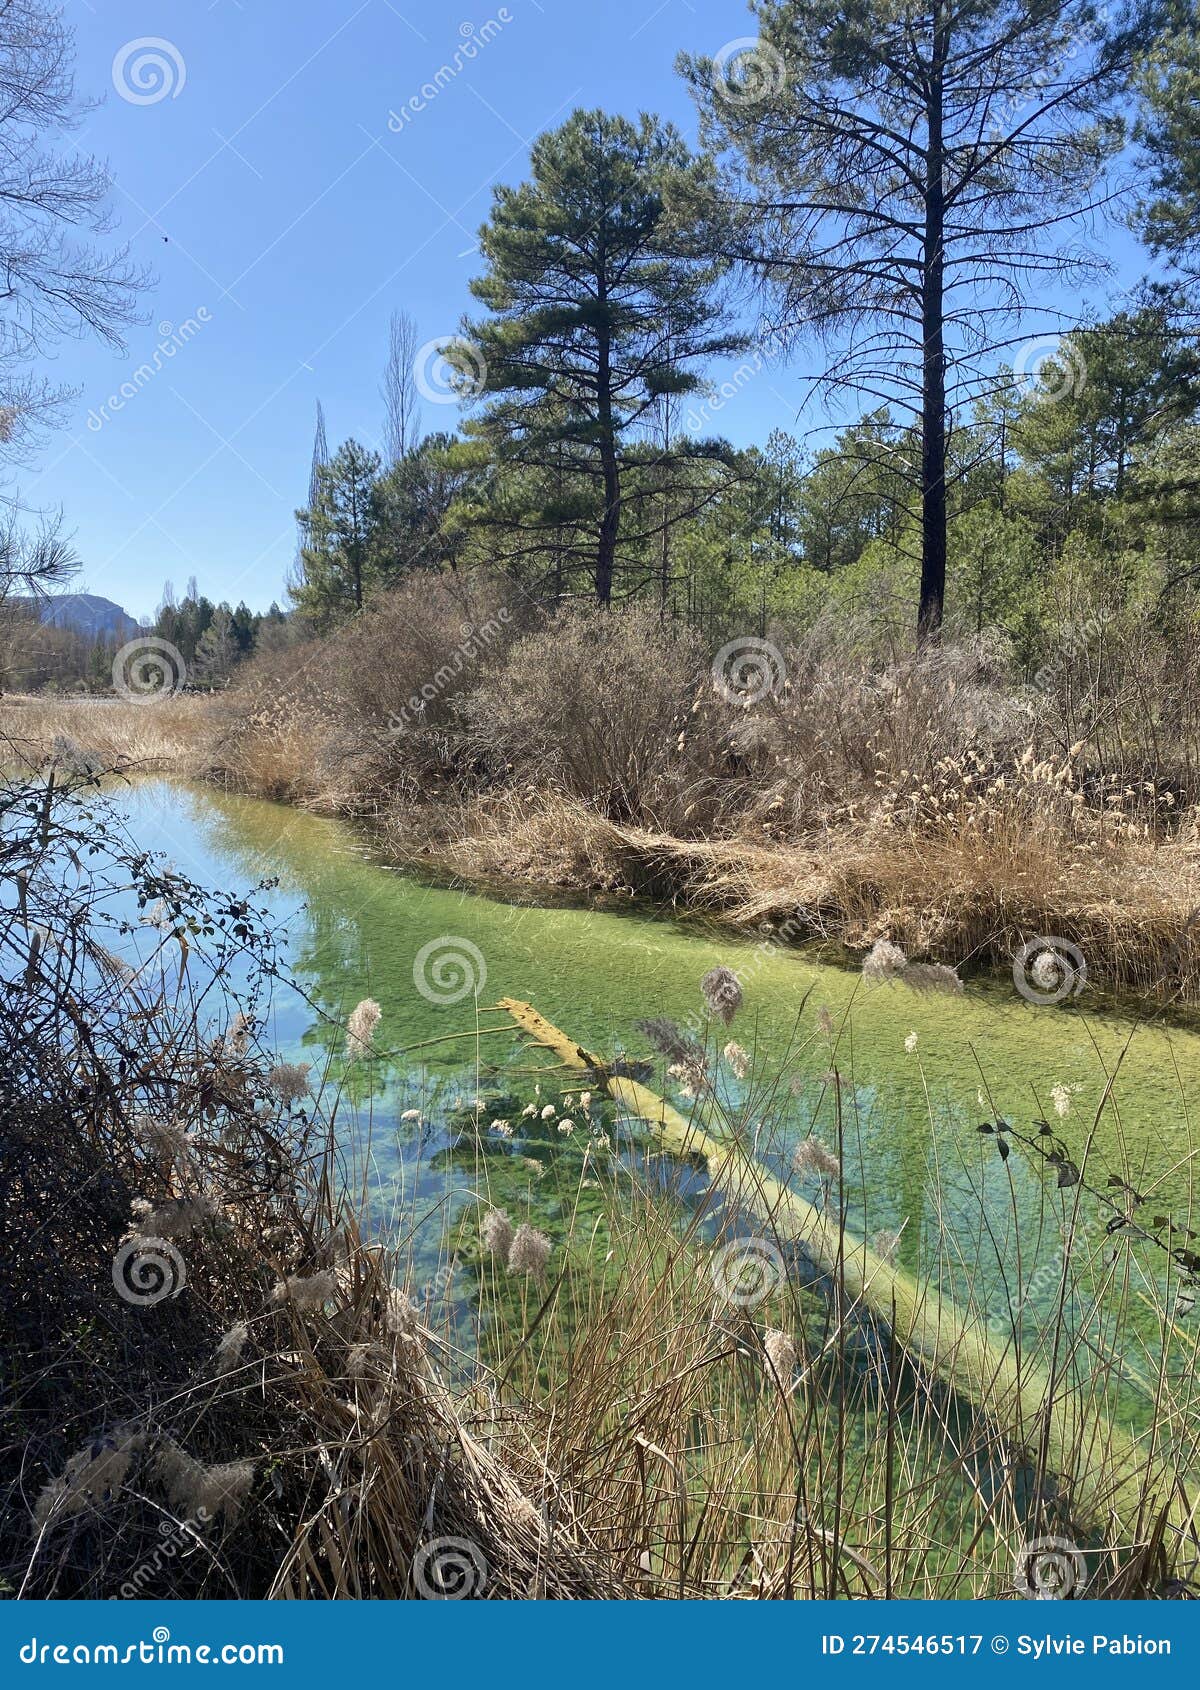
x: 343, y: 525
x: 596, y: 314
x: 907, y: 176
x: 1169, y: 83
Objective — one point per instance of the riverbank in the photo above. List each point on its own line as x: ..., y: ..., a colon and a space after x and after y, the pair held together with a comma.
x: 967, y: 884
x: 600, y: 1379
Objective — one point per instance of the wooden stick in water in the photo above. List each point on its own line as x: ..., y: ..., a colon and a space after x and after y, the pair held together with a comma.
x: 1118, y: 1482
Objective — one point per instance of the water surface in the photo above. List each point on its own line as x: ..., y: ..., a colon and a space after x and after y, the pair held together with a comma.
x: 352, y: 927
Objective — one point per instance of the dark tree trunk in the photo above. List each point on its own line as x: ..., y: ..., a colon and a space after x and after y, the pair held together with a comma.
x: 610, y: 520
x: 933, y: 374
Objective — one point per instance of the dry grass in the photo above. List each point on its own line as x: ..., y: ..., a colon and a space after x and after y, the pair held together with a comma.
x: 622, y: 1429
x: 169, y: 735
x: 926, y: 799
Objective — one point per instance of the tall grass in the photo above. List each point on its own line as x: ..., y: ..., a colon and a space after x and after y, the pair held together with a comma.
x: 788, y: 1444
x: 287, y: 1419
x: 946, y: 800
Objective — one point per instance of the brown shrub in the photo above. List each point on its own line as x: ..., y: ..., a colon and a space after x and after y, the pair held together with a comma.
x: 368, y: 716
x: 275, y: 730
x: 414, y: 652
x: 843, y: 737
x: 600, y: 703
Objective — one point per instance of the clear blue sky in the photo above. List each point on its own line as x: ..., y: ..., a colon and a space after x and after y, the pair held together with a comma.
x: 285, y: 219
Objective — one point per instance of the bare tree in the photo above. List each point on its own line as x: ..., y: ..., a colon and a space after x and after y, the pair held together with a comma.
x: 402, y: 419
x: 53, y: 198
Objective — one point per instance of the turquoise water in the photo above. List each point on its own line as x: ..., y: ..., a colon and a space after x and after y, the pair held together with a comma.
x: 351, y: 927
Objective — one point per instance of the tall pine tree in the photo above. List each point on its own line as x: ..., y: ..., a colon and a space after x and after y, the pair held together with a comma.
x: 907, y: 178
x: 596, y: 313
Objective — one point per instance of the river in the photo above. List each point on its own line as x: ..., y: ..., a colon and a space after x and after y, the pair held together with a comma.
x: 918, y: 1073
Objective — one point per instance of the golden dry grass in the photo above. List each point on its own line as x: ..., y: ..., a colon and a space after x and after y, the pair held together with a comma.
x: 963, y: 867
x: 171, y: 734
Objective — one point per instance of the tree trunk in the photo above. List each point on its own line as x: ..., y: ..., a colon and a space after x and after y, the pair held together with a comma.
x: 610, y: 520
x: 933, y: 371
x: 1076, y: 1441
x: 610, y: 523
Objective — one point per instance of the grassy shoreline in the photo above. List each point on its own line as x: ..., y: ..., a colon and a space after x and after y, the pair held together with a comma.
x: 635, y: 1418
x: 1130, y: 906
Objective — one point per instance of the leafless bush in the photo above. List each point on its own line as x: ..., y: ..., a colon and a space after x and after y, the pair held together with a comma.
x: 601, y: 704
x: 178, y: 1419
x: 841, y: 735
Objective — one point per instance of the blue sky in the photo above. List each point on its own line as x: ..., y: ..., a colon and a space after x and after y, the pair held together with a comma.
x: 285, y: 218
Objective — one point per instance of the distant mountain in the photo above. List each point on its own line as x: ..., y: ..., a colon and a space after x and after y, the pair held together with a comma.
x: 88, y: 614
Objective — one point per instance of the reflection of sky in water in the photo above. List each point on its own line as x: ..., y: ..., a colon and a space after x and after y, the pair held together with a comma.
x: 351, y: 928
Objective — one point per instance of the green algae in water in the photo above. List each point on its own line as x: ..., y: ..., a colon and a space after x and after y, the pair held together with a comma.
x: 913, y: 1161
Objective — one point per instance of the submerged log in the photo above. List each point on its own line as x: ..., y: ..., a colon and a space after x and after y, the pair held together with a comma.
x: 1122, y: 1485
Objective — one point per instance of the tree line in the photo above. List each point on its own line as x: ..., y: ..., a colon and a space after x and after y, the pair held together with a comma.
x: 41, y: 655
x: 899, y: 201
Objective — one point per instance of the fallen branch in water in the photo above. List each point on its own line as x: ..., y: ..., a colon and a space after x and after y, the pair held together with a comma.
x: 1113, y: 1479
